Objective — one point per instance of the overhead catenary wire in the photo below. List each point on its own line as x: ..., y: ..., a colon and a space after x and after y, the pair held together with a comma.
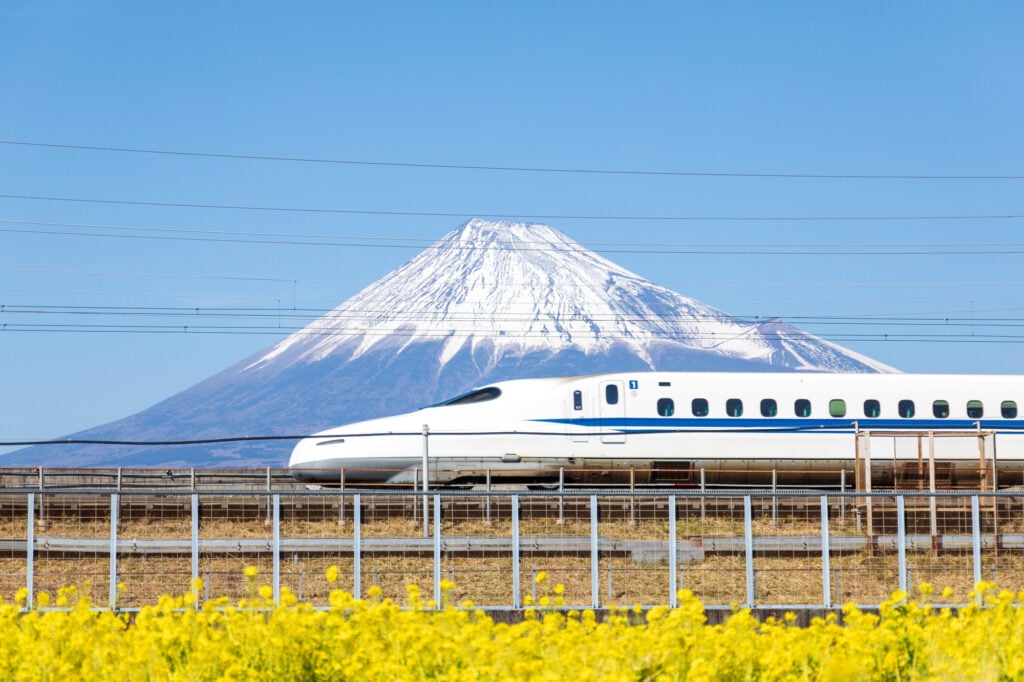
x: 497, y: 244
x: 507, y: 316
x: 704, y: 285
x: 499, y: 215
x: 1009, y: 248
x: 972, y: 336
x: 503, y: 167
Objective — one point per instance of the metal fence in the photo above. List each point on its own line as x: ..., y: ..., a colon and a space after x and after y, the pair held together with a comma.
x: 781, y: 550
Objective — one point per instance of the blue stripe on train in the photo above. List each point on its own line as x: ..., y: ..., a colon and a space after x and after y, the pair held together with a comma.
x: 776, y: 424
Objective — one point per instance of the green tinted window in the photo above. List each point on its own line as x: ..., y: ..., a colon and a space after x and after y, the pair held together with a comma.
x: 837, y: 407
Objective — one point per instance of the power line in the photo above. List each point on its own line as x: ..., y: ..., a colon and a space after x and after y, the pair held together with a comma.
x: 192, y: 441
x: 684, y: 285
x: 503, y: 168
x: 713, y: 340
x: 962, y: 249
x: 507, y: 316
x: 500, y: 244
x: 494, y: 215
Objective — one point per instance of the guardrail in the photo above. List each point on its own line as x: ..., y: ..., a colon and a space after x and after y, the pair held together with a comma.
x: 751, y: 548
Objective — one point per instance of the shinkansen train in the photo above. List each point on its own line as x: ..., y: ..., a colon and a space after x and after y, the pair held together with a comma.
x: 666, y: 427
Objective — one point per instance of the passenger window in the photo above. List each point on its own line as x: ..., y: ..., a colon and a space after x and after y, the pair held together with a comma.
x: 975, y: 410
x: 699, y: 407
x: 872, y: 408
x: 906, y: 408
x: 837, y: 407
x: 734, y: 407
x: 1008, y: 409
x: 940, y: 408
x: 666, y: 407
x: 802, y: 407
x: 769, y: 408
x: 611, y: 394
x: 577, y: 400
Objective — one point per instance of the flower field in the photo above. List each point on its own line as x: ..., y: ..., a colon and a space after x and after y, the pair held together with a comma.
x: 379, y: 639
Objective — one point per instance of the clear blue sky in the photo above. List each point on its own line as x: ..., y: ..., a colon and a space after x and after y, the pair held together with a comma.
x: 808, y: 88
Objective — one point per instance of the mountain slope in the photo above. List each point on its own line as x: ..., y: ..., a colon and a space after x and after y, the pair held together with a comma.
x: 489, y: 301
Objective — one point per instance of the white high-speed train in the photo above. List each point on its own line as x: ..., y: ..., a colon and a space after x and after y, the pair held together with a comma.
x: 667, y: 426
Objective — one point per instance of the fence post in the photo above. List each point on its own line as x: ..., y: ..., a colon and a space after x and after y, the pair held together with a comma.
x: 901, y: 541
x: 426, y: 480
x: 195, y: 540
x: 932, y: 502
x: 868, y: 500
x: 277, y: 543
x: 976, y: 539
x: 487, y: 499
x: 437, y: 550
x: 341, y: 496
x: 842, y: 490
x: 357, y: 548
x: 30, y: 550
x: 516, y: 603
x: 673, y: 566
x: 561, y: 496
x: 775, y: 499
x: 632, y: 496
x: 826, y: 577
x: 703, y: 486
x: 114, y: 503
x: 748, y: 542
x: 270, y: 500
x: 595, y: 597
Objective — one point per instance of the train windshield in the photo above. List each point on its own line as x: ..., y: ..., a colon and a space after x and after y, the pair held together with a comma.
x: 479, y: 395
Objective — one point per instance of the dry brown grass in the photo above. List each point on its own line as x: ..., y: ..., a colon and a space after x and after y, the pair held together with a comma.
x: 794, y: 578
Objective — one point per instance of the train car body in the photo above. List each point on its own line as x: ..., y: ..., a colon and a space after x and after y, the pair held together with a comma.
x: 665, y: 427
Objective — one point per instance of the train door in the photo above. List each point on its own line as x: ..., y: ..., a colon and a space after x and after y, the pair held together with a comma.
x: 612, y: 401
x: 579, y: 414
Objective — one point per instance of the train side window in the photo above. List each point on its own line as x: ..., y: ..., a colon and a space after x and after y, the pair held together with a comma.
x: 666, y: 407
x: 577, y: 400
x: 1008, y: 409
x: 906, y: 408
x: 940, y: 408
x: 975, y: 410
x: 769, y: 408
x: 611, y: 394
x: 478, y: 396
x: 734, y: 407
x: 802, y: 407
x: 837, y: 407
x: 699, y: 407
x: 872, y: 408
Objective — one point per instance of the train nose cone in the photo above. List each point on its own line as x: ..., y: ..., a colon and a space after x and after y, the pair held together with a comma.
x: 303, y: 454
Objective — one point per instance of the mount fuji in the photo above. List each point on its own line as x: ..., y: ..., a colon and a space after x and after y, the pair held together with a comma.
x: 490, y: 301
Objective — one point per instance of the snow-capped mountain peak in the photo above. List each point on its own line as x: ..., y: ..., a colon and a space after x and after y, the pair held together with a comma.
x: 523, y: 287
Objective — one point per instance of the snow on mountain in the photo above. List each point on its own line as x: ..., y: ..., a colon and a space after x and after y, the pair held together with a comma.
x: 522, y: 287
x: 489, y: 301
